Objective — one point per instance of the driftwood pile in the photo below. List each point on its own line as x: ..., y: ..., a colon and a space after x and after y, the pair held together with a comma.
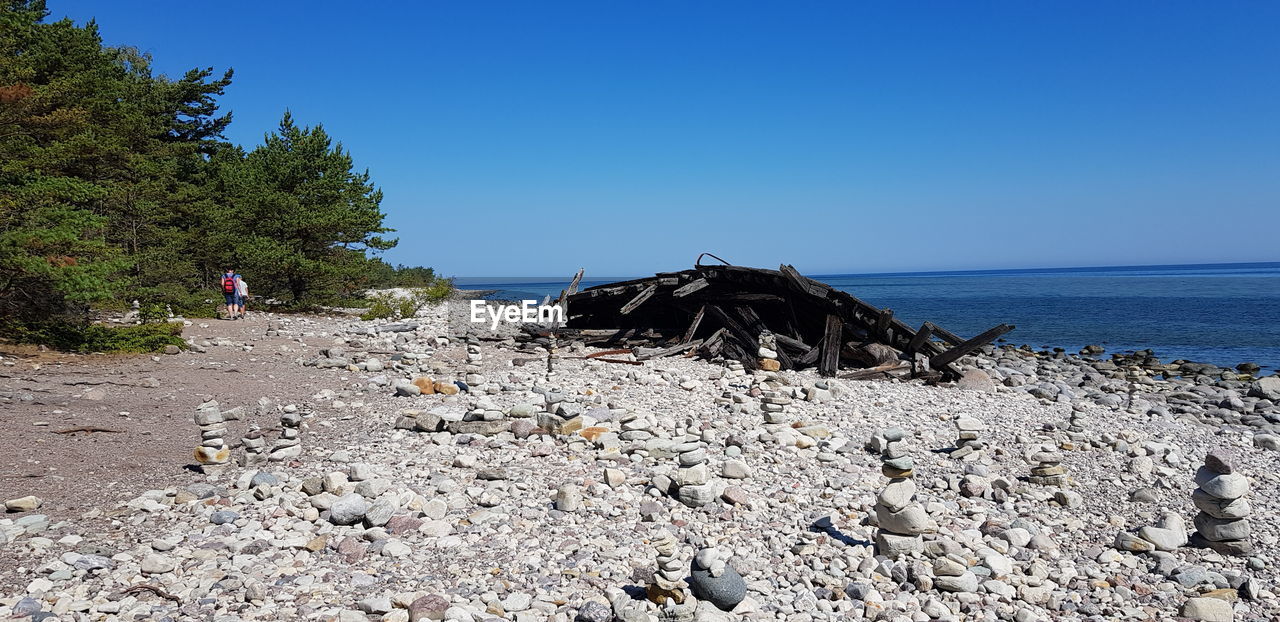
x: 771, y: 319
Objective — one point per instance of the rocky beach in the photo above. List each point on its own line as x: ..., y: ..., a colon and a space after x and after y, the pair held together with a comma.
x: 324, y: 468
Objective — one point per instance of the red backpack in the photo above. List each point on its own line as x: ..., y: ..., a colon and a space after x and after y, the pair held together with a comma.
x: 229, y: 284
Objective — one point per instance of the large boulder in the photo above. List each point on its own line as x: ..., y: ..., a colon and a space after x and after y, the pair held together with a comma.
x: 724, y: 591
x: 349, y: 509
x: 1266, y: 388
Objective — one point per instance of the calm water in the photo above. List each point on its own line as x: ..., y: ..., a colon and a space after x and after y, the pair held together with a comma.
x: 1221, y: 313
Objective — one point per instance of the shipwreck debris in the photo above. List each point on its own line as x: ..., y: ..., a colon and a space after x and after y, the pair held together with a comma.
x: 762, y: 318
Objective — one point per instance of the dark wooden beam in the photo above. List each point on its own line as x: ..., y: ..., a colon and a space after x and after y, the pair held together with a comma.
x: 829, y: 359
x: 882, y: 322
x: 573, y: 287
x: 921, y: 338
x: 689, y: 288
x: 639, y: 299
x: 693, y: 326
x: 948, y: 357
x: 945, y: 334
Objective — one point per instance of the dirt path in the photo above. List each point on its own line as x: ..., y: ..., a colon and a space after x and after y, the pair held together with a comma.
x: 146, y: 403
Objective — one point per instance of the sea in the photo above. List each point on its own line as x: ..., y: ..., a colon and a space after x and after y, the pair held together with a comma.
x: 1223, y: 314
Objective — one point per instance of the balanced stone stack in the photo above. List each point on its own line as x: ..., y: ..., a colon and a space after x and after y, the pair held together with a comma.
x: 287, y: 446
x: 968, y: 446
x: 473, y: 376
x: 668, y: 580
x: 1223, y: 521
x: 692, y: 479
x: 895, y: 463
x: 213, y: 446
x: 773, y: 403
x: 1048, y: 470
x: 1075, y: 426
x: 255, y: 447
x: 768, y: 352
x: 901, y: 520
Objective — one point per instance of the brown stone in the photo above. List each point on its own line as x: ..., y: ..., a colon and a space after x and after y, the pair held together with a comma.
x: 445, y: 388
x: 592, y: 433
x: 211, y: 455
x: 770, y: 365
x: 893, y: 473
x: 659, y: 596
x: 571, y: 426
x: 1228, y: 595
x: 425, y: 384
x: 429, y: 607
x: 317, y: 543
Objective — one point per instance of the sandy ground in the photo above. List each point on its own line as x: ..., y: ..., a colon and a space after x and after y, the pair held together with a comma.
x: 146, y: 401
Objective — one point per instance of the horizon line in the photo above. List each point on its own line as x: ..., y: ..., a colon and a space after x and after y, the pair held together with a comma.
x: 557, y: 279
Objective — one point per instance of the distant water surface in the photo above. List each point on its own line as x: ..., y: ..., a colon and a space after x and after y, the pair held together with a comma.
x: 1215, y: 313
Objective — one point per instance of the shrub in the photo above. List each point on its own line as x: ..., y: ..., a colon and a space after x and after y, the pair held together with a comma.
x: 84, y: 338
x: 393, y: 305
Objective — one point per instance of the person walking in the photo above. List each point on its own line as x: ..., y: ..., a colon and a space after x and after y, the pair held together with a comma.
x: 231, y: 292
x: 242, y: 292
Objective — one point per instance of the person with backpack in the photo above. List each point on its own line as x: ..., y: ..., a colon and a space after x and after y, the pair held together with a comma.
x: 231, y: 292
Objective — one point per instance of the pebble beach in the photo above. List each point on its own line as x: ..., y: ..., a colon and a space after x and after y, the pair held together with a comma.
x: 408, y: 473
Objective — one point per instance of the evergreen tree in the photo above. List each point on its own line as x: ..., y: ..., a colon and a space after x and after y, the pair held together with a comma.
x: 301, y: 219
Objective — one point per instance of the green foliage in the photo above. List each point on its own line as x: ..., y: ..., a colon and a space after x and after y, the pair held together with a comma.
x: 116, y: 184
x: 393, y: 305
x: 301, y: 219
x: 382, y: 275
x: 72, y: 337
x: 152, y: 313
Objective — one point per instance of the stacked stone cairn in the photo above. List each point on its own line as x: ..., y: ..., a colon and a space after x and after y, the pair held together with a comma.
x: 734, y: 368
x: 968, y: 446
x: 901, y: 520
x: 255, y: 447
x: 768, y: 352
x: 774, y: 403
x: 1075, y: 427
x: 473, y: 376
x: 288, y: 445
x: 212, y: 449
x: 692, y: 482
x: 668, y: 580
x: 1048, y: 470
x: 1223, y: 521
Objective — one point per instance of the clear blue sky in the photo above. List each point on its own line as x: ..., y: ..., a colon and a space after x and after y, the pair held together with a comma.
x: 534, y: 138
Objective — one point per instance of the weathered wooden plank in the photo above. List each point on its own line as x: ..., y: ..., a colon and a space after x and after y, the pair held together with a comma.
x: 646, y: 354
x: 792, y: 343
x: 639, y: 299
x: 882, y: 322
x: 951, y: 355
x: 693, y: 326
x: 736, y: 334
x: 750, y: 320
x: 921, y: 337
x: 689, y: 288
x: 810, y: 357
x: 872, y: 372
x: 573, y: 287
x: 715, y: 343
x: 945, y: 334
x: 829, y: 358
x: 798, y: 281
